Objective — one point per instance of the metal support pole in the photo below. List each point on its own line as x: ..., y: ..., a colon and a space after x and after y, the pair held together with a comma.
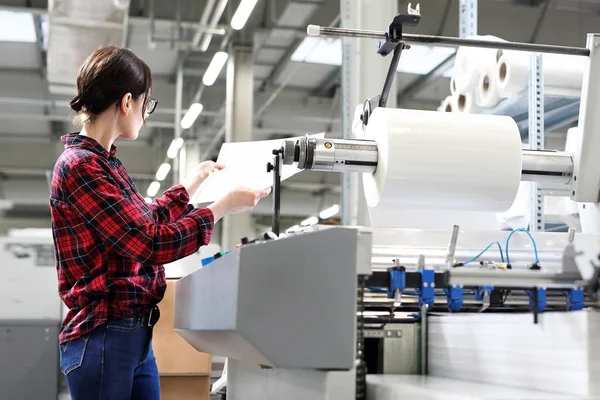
x: 238, y: 128
x: 349, y: 13
x: 359, y: 56
x: 125, y: 39
x: 178, y: 112
x: 275, y: 167
x: 424, y: 327
x: 467, y: 18
x: 452, y: 246
x: 536, y: 134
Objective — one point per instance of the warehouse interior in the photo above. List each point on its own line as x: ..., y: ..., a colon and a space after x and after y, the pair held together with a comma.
x: 265, y: 79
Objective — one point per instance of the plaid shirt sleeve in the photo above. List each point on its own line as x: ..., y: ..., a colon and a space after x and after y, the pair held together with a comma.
x: 172, y: 205
x: 124, y: 224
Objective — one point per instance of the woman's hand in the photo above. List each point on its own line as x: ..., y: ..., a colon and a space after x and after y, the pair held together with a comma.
x: 202, y: 171
x: 237, y: 201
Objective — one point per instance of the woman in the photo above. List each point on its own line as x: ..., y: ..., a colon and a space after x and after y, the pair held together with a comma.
x: 109, y: 244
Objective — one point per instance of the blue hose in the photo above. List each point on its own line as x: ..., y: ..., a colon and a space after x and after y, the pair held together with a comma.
x: 537, y: 260
x: 484, y: 250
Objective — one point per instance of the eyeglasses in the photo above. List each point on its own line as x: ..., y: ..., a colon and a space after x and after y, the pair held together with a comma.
x: 151, y: 106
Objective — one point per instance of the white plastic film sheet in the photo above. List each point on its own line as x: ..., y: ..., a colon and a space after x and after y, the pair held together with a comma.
x: 245, y: 166
x: 465, y: 162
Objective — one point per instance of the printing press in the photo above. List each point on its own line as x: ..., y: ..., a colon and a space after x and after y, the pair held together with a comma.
x: 384, y: 313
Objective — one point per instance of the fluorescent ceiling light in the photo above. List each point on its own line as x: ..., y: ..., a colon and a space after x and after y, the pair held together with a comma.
x: 148, y: 200
x: 216, y: 17
x: 45, y: 28
x: 310, y: 221
x: 17, y: 27
x: 153, y: 189
x: 419, y: 59
x: 174, y: 148
x: 330, y: 212
x: 6, y: 204
x: 162, y: 172
x: 191, y: 115
x: 62, y: 89
x: 215, y: 67
x: 242, y: 14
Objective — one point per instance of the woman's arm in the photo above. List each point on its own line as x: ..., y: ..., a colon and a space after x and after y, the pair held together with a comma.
x: 174, y: 203
x: 125, y: 227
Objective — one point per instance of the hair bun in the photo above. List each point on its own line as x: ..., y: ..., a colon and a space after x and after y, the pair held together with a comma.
x: 76, y: 103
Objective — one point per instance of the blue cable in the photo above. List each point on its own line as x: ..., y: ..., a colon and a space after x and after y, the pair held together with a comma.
x: 537, y: 260
x: 484, y: 250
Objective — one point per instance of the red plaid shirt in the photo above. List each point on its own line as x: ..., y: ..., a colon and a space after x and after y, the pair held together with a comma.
x: 109, y: 243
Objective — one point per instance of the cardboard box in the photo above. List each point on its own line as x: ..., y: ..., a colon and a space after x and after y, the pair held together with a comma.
x: 175, y: 356
x: 185, y: 388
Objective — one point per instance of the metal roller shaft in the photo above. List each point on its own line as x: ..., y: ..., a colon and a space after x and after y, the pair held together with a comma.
x: 341, y: 155
x: 546, y: 166
x: 449, y: 41
x: 338, y: 155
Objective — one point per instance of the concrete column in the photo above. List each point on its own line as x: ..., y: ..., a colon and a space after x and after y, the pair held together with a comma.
x: 363, y: 76
x: 178, y: 115
x: 188, y: 159
x: 238, y: 128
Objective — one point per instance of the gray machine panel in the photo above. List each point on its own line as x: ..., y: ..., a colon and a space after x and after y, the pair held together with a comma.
x: 288, y: 303
x: 29, y: 360
x: 249, y: 382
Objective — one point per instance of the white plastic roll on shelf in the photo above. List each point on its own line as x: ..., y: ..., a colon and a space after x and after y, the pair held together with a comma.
x: 440, y: 160
x: 488, y: 92
x: 562, y: 73
x: 449, y: 104
x: 465, y: 103
x: 453, y: 84
x: 469, y: 64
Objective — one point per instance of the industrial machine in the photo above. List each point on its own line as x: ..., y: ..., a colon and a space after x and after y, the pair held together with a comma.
x: 380, y: 313
x: 30, y: 317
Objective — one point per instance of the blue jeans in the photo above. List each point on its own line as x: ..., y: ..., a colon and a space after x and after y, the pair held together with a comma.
x: 115, y: 361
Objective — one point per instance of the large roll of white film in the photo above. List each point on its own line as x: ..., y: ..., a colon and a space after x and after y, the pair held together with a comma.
x: 438, y: 161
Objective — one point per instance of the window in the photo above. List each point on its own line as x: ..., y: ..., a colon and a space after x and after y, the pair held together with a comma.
x: 17, y: 27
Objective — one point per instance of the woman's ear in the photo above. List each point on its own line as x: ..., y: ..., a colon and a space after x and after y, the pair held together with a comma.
x: 126, y: 104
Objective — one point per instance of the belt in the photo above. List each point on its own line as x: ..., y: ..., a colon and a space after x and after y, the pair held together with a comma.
x: 151, y: 317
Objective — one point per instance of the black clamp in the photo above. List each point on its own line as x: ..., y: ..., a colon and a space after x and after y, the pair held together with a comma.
x: 276, y: 167
x: 393, y: 43
x: 393, y: 36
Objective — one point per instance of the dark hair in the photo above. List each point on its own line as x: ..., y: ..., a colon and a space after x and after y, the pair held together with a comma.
x: 106, y: 76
